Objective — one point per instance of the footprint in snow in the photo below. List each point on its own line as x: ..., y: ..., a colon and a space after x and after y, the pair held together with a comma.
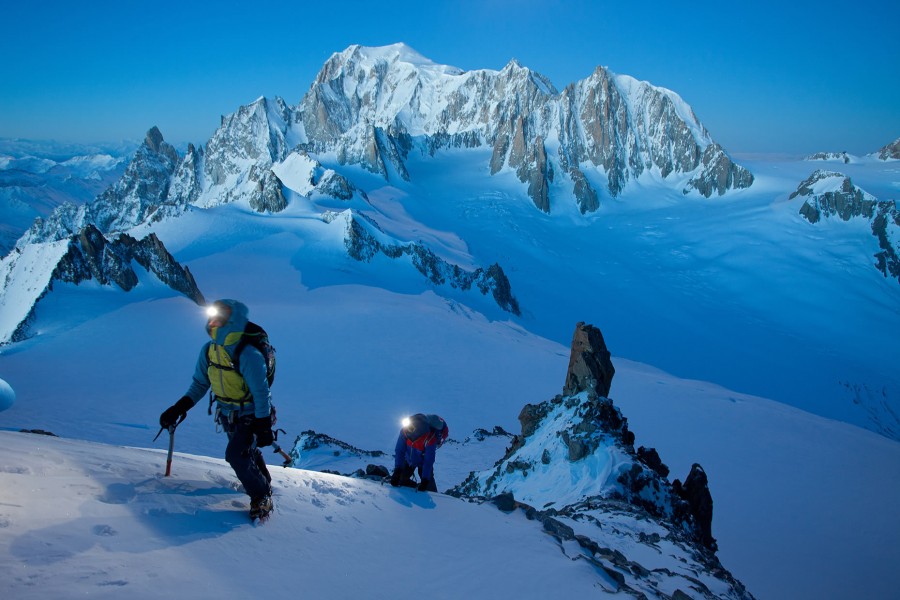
x: 118, y: 493
x: 104, y: 530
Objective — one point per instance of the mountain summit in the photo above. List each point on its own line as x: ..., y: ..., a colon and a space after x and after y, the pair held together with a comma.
x: 374, y: 106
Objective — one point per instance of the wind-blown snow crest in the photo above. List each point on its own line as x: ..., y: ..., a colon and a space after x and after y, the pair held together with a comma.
x: 31, y: 268
x: 639, y: 93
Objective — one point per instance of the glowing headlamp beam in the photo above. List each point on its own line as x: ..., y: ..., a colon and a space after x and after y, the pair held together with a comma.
x: 212, y: 311
x: 405, y: 423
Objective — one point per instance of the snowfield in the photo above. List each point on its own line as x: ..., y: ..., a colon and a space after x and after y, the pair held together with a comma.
x: 84, y: 519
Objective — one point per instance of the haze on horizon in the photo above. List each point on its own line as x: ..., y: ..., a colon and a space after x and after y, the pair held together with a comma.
x: 768, y: 78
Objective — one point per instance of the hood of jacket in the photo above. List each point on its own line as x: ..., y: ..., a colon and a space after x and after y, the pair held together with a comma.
x: 230, y: 333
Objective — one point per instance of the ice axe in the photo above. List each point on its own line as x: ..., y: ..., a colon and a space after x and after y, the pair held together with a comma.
x: 288, y: 461
x: 171, y: 429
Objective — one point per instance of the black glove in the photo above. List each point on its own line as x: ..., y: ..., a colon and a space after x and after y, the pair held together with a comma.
x: 175, y: 413
x: 423, y: 485
x: 262, y: 428
x: 395, y: 477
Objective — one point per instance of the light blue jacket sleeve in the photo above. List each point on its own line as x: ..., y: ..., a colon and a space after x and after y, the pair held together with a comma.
x: 200, y: 383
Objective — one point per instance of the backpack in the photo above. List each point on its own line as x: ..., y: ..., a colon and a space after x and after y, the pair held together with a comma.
x: 256, y: 336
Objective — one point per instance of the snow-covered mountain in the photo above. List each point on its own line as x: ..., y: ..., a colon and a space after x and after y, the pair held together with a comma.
x: 575, y: 464
x: 373, y: 106
x: 887, y: 152
x: 416, y: 238
x: 832, y: 157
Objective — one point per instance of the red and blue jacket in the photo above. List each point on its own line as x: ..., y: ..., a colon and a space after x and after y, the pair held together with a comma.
x: 417, y: 445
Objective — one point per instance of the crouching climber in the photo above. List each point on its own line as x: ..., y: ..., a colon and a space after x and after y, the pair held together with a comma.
x: 420, y: 437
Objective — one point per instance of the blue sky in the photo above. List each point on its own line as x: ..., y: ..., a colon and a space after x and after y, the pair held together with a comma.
x: 764, y: 77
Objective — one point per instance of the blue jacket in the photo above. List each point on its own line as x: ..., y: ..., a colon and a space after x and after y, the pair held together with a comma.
x: 252, y: 366
x: 420, y: 451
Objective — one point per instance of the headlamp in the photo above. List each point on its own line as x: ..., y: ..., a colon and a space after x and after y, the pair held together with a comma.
x: 405, y: 423
x: 212, y: 311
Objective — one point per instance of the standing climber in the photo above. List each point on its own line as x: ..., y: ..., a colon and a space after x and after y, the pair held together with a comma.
x: 237, y: 372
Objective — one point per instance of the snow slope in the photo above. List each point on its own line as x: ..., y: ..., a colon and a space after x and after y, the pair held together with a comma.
x: 84, y: 519
x: 792, y: 491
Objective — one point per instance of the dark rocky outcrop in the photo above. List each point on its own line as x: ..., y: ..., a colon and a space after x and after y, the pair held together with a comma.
x: 845, y: 201
x: 337, y: 186
x: 585, y: 422
x: 650, y: 457
x: 839, y: 156
x: 267, y: 195
x: 516, y: 146
x: 362, y: 246
x: 91, y: 256
x: 585, y: 196
x: 696, y: 492
x: 590, y: 366
x: 719, y: 174
x: 311, y: 441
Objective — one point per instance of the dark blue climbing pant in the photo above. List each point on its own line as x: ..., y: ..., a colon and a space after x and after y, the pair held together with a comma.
x: 245, y: 458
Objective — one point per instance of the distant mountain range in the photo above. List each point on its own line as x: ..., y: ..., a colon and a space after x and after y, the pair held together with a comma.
x: 37, y: 177
x: 374, y: 106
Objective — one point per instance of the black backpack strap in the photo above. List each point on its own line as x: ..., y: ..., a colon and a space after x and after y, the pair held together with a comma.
x: 250, y: 329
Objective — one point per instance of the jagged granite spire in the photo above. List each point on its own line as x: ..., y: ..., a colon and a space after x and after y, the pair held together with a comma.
x: 590, y: 366
x: 574, y: 468
x: 141, y: 191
